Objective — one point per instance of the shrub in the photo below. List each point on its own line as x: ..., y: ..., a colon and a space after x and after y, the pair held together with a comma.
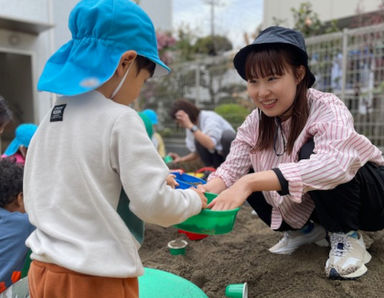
x: 233, y: 113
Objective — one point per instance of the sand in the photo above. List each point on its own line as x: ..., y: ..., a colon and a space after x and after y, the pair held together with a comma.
x: 242, y: 256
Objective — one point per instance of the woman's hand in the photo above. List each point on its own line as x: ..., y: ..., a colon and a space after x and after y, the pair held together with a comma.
x: 183, y: 120
x: 235, y: 195
x: 228, y: 199
x: 232, y: 197
x: 216, y: 185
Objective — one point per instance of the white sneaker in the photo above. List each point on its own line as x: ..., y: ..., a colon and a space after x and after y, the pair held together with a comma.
x: 294, y: 239
x: 347, y: 257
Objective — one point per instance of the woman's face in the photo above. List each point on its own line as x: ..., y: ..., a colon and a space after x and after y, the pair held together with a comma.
x: 274, y: 94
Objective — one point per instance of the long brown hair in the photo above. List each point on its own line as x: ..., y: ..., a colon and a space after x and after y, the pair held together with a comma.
x: 274, y: 60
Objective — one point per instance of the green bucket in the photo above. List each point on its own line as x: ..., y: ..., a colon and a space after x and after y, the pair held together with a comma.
x: 210, y: 222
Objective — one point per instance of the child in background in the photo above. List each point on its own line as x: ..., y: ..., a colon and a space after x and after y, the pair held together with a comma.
x: 157, y: 140
x: 170, y: 180
x: 19, y: 146
x: 87, y: 149
x: 147, y: 123
x: 14, y: 223
x: 313, y: 172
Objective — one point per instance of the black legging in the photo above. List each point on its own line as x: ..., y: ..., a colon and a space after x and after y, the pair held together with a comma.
x: 355, y: 205
x: 215, y: 159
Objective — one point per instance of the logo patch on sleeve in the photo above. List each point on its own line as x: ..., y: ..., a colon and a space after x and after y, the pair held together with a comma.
x: 58, y: 113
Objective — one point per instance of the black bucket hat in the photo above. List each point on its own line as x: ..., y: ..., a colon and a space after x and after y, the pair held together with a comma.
x: 274, y: 35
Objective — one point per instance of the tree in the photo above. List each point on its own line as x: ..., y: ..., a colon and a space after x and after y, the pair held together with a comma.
x: 165, y: 43
x: 184, y: 46
x: 233, y: 113
x: 308, y: 23
x: 212, y: 45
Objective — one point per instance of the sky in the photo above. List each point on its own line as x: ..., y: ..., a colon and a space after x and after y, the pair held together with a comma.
x: 232, y: 17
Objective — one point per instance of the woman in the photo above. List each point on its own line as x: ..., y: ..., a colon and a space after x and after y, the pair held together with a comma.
x: 313, y: 172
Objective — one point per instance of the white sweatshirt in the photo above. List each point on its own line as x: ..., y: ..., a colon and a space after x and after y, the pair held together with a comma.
x: 84, y: 151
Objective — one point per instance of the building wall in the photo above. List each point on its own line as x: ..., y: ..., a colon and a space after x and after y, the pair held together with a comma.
x: 37, y: 48
x: 36, y: 10
x: 18, y: 84
x: 326, y: 9
x: 61, y: 10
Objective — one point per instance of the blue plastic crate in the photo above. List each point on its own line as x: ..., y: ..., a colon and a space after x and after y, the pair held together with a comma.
x: 186, y: 181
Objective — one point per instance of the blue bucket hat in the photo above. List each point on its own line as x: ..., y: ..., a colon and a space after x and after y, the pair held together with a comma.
x: 151, y: 115
x: 274, y: 35
x: 23, y: 135
x: 102, y: 30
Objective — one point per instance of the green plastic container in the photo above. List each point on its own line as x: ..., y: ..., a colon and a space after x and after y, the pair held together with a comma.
x: 237, y: 291
x: 167, y: 159
x: 210, y: 222
x: 157, y: 283
x: 177, y: 247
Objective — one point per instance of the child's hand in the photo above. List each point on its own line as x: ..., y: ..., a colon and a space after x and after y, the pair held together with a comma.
x: 202, y: 197
x: 171, y: 181
x: 175, y: 157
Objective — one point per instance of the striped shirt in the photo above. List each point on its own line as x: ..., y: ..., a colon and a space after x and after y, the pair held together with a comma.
x: 339, y: 153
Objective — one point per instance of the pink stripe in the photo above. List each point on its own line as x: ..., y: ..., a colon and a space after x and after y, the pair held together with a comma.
x: 340, y: 151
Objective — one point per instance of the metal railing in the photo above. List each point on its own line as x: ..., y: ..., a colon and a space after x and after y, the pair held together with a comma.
x: 351, y: 65
x: 348, y: 63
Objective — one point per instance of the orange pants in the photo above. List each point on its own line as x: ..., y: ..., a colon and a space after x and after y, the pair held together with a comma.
x: 52, y: 281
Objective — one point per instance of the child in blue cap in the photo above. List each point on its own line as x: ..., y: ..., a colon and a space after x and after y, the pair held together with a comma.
x: 89, y: 147
x: 313, y: 173
x: 14, y: 224
x: 18, y: 148
x: 156, y: 138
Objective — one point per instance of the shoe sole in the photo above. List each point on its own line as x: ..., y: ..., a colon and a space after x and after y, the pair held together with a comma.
x: 333, y: 274
x: 283, y: 252
x: 321, y: 242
